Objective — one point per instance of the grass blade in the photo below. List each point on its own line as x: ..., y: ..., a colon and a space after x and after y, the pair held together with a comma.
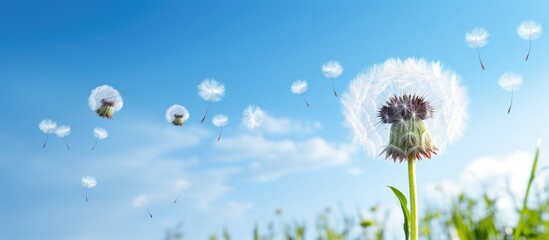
x: 518, y: 229
x: 405, y: 211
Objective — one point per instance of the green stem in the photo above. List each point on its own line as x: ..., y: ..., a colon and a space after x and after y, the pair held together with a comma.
x: 524, y: 207
x: 413, y: 199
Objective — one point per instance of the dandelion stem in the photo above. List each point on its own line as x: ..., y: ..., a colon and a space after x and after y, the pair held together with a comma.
x: 46, y: 142
x: 529, y: 47
x: 479, y: 59
x: 219, y: 137
x: 150, y: 215
x: 205, y: 114
x: 525, y: 201
x: 413, y: 199
x: 333, y: 88
x: 179, y: 195
x: 66, y: 144
x: 510, y: 104
x: 96, y: 140
x: 303, y: 96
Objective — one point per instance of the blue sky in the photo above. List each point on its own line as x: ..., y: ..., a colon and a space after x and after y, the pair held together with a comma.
x: 53, y: 53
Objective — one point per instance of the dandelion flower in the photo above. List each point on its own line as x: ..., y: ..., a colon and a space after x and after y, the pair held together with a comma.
x: 220, y: 121
x: 63, y: 132
x: 181, y: 185
x: 477, y: 38
x: 510, y: 82
x: 99, y: 134
x: 177, y: 115
x: 48, y: 127
x: 332, y: 70
x: 253, y: 117
x: 408, y: 110
x: 299, y: 87
x: 88, y: 182
x: 105, y: 101
x: 529, y: 30
x: 141, y: 202
x: 211, y: 91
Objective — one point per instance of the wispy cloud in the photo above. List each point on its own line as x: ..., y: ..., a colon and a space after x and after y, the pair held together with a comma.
x: 275, y: 151
x: 286, y: 126
x: 355, y: 171
x: 269, y: 159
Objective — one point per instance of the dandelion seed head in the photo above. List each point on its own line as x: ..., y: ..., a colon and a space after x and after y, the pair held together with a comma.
x: 89, y: 182
x: 105, y: 94
x: 299, y: 87
x: 405, y: 107
x: 477, y: 38
x: 140, y: 201
x: 47, y: 126
x: 100, y: 133
x: 529, y: 30
x: 182, y: 184
x: 253, y: 117
x: 332, y: 69
x: 211, y: 90
x: 63, y: 131
x: 177, y: 111
x: 220, y: 120
x: 510, y: 81
x: 393, y: 92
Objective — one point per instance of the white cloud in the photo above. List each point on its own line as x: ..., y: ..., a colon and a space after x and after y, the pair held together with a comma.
x: 284, y: 126
x: 355, y: 171
x: 235, y: 209
x: 270, y: 159
x: 500, y: 177
x: 211, y: 186
x: 273, y: 151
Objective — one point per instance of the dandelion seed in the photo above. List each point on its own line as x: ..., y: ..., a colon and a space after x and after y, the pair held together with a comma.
x: 211, y: 91
x: 105, y: 101
x: 408, y: 110
x: 220, y: 121
x: 177, y: 115
x: 332, y: 70
x: 141, y: 202
x: 253, y: 117
x: 477, y: 38
x: 529, y: 30
x: 99, y: 134
x: 63, y: 132
x: 299, y: 87
x: 88, y: 182
x: 48, y: 127
x: 181, y: 185
x: 510, y: 82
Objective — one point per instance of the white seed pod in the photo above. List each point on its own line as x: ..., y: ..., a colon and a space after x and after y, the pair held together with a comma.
x: 370, y: 90
x: 105, y: 93
x: 299, y: 87
x: 332, y: 69
x: 176, y: 110
x: 100, y: 133
x: 220, y: 120
x: 47, y: 126
x: 211, y: 90
x: 63, y: 131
